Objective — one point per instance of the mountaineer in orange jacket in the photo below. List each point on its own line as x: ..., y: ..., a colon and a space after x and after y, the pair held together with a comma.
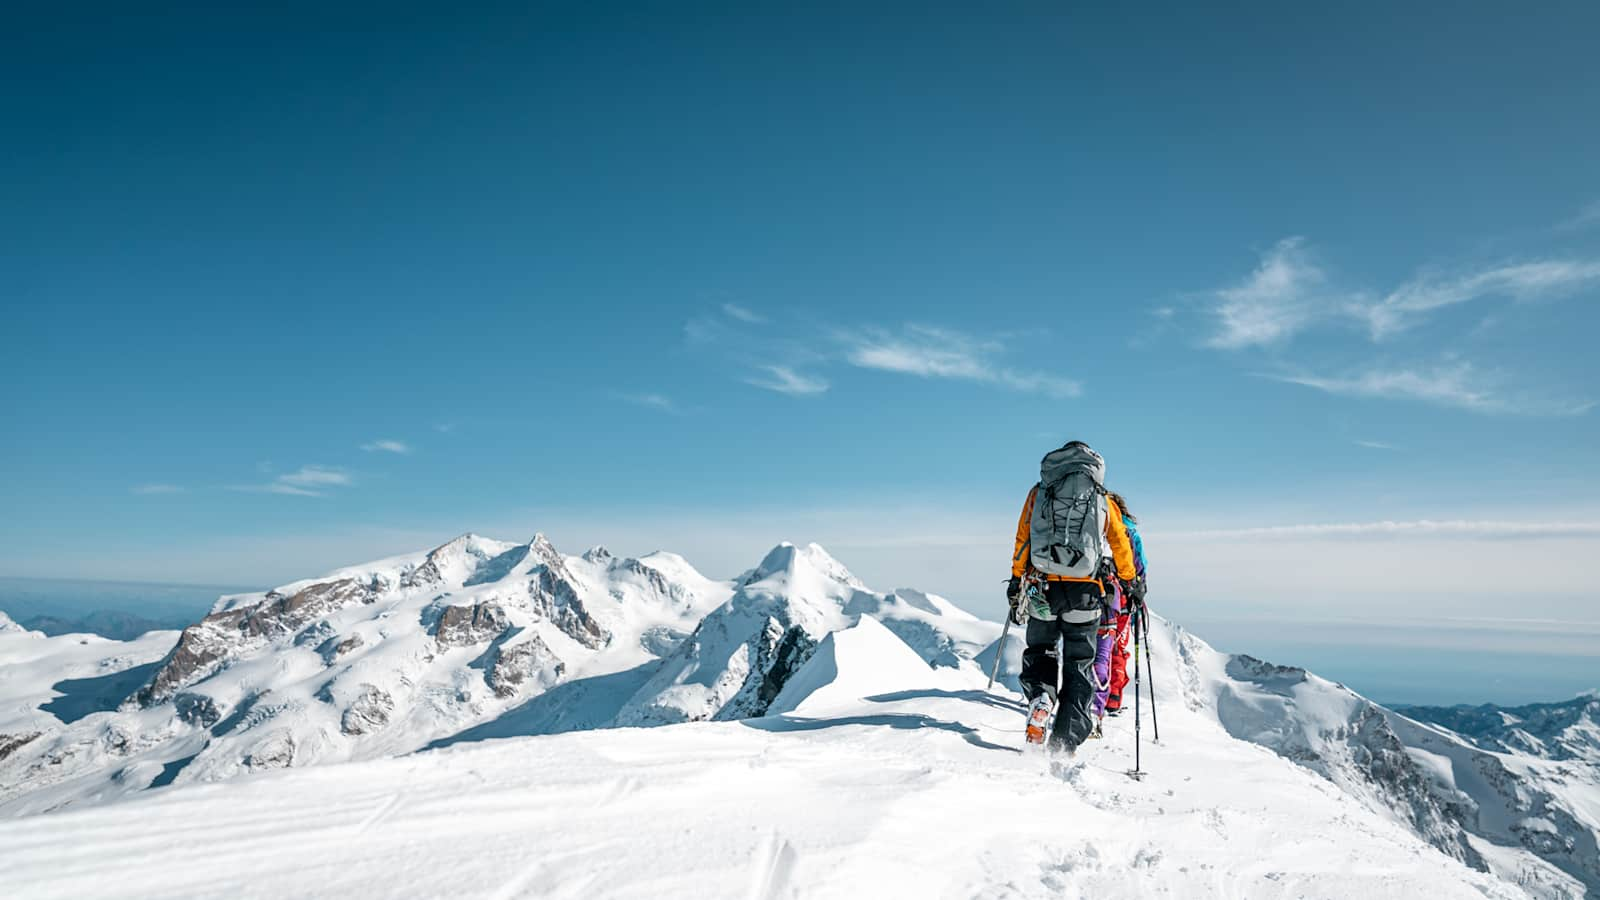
x: 1070, y: 537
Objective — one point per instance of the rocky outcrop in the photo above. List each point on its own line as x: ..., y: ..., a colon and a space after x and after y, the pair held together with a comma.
x: 335, y: 647
x: 276, y: 752
x: 368, y: 713
x: 529, y: 662
x: 553, y: 593
x: 774, y: 656
x: 205, y: 646
x: 465, y: 626
x: 11, y: 743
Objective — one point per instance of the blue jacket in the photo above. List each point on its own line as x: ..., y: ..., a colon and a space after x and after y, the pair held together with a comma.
x: 1138, y: 544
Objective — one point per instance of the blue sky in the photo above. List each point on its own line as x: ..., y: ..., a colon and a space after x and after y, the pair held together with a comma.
x: 287, y: 289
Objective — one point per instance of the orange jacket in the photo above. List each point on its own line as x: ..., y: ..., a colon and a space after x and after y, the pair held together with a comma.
x: 1116, y: 537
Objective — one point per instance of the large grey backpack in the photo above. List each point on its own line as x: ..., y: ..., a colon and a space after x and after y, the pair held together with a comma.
x: 1067, y: 533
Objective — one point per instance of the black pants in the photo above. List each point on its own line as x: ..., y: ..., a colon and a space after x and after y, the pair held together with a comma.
x: 1070, y: 603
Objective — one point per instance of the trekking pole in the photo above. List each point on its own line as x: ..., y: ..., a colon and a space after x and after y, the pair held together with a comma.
x: 999, y: 653
x: 1137, y: 774
x: 1150, y: 665
x: 1059, y: 672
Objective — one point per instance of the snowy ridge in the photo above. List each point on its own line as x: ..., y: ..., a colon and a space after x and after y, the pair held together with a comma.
x: 1569, y: 730
x: 795, y: 680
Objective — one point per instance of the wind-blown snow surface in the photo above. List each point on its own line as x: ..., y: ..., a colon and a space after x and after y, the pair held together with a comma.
x: 918, y: 792
x: 817, y: 739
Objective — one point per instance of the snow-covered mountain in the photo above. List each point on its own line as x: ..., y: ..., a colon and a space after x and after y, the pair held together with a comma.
x: 792, y: 661
x: 48, y: 681
x: 424, y: 649
x: 1569, y: 730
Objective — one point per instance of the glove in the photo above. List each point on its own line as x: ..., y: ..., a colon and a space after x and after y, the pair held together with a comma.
x: 1019, y: 613
x: 1135, y: 590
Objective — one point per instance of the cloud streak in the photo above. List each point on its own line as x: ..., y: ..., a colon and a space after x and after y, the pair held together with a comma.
x: 937, y: 353
x: 1289, y: 293
x: 1408, y: 304
x: 387, y: 446
x: 1420, y: 528
x: 306, y: 481
x: 743, y: 314
x: 1458, y: 386
x: 658, y: 402
x: 148, y: 490
x: 785, y: 380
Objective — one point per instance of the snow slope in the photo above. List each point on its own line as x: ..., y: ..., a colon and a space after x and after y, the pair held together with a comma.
x: 46, y: 682
x: 918, y: 792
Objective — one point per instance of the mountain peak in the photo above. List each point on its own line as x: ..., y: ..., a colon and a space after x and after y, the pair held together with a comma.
x: 7, y: 625
x: 456, y: 544
x: 788, y: 559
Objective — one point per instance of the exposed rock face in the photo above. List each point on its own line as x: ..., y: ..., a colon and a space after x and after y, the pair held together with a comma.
x: 464, y: 626
x: 277, y: 752
x: 369, y: 713
x: 518, y: 665
x: 774, y: 655
x: 352, y: 642
x: 9, y: 743
x: 333, y: 650
x: 205, y: 646
x: 553, y: 593
x: 554, y: 597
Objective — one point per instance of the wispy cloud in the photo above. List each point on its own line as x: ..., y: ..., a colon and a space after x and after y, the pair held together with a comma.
x: 937, y: 353
x: 1386, y: 529
x: 306, y: 481
x: 1586, y: 217
x: 153, y: 489
x: 1289, y: 293
x: 1283, y: 296
x: 387, y: 446
x: 444, y: 427
x: 743, y: 314
x: 1411, y: 302
x: 785, y: 380
x: 1375, y: 445
x: 659, y: 402
x: 1457, y: 385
